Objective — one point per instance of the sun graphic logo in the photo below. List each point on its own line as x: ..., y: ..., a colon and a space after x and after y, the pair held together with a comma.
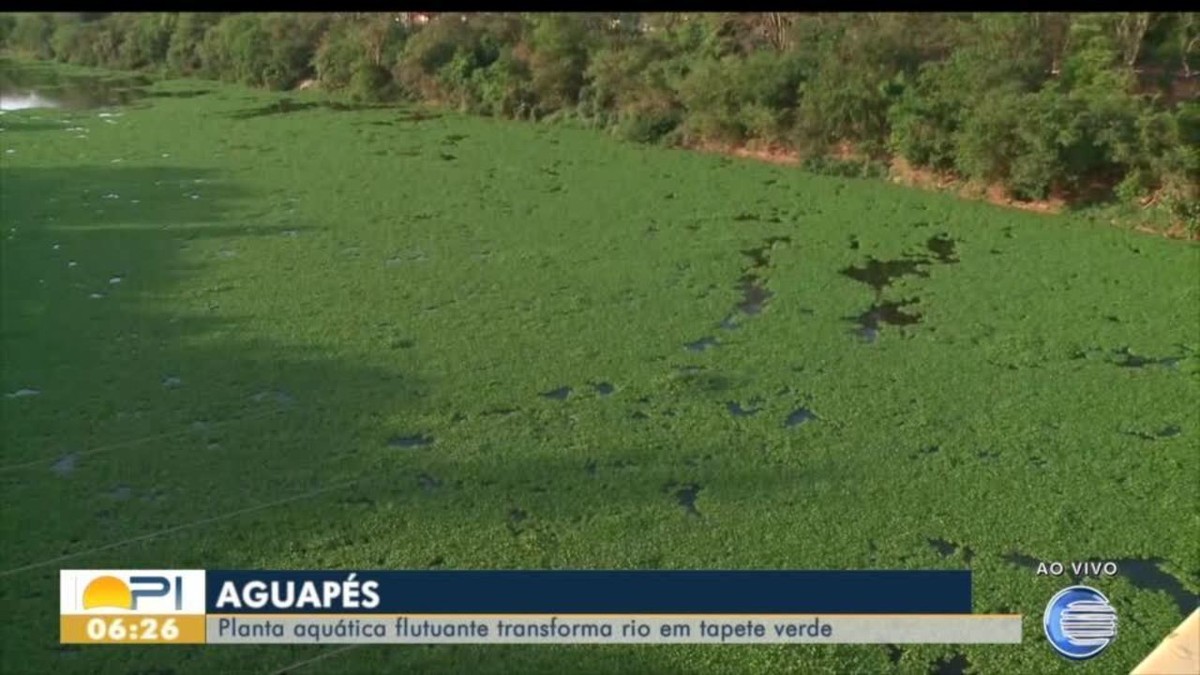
x: 132, y: 591
x: 107, y: 591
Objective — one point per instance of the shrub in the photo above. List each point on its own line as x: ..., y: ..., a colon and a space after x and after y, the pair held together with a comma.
x: 988, y: 139
x: 558, y: 61
x: 370, y: 82
x: 231, y: 47
x: 7, y: 23
x: 271, y: 50
x: 842, y: 103
x: 338, y: 57
x: 648, y: 125
x: 69, y: 43
x: 504, y: 88
x: 1164, y: 164
x: 185, y: 48
x: 146, y: 39
x: 923, y: 123
x: 420, y: 68
x: 711, y: 98
x: 31, y: 35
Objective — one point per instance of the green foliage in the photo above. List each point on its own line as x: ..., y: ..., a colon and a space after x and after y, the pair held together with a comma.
x: 1039, y: 103
x: 503, y: 88
x: 923, y: 123
x: 736, y: 98
x: 627, y: 81
x: 72, y: 44
x: 235, y: 49
x: 1164, y: 164
x: 647, y: 125
x: 370, y: 82
x: 559, y: 59
x: 293, y: 40
x: 425, y: 65
x: 271, y: 50
x: 87, y: 44
x: 7, y: 23
x: 538, y: 258
x: 184, y: 51
x: 1094, y: 59
x: 31, y: 34
x: 988, y: 140
x: 709, y: 95
x: 338, y: 57
x: 844, y: 104
x: 146, y: 39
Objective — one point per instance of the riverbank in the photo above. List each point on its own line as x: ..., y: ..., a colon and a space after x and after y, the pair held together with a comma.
x: 1103, y: 124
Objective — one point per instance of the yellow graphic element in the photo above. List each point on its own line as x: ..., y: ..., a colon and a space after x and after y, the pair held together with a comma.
x: 1178, y: 654
x: 124, y: 628
x: 107, y: 592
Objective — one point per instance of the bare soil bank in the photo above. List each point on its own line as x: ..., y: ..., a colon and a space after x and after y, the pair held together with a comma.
x: 903, y: 173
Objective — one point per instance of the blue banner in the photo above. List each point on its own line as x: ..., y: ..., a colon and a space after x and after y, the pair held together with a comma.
x: 588, y: 592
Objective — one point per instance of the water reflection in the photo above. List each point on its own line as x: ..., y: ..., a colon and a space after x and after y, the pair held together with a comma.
x: 36, y: 86
x: 28, y: 101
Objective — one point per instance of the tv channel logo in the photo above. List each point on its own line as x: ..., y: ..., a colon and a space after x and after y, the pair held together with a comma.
x: 131, y: 591
x: 1080, y: 622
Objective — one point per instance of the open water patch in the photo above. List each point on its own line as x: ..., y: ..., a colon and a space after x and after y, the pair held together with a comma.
x: 121, y: 492
x: 276, y: 396
x: 499, y: 411
x: 752, y: 284
x: 798, y: 417
x: 754, y: 295
x: 559, y: 394
x: 32, y: 88
x: 685, y: 496
x: 1169, y: 431
x: 515, y: 517
x: 948, y: 549
x: 410, y: 441
x: 65, y: 465
x: 1125, y: 358
x: 736, y: 409
x: 956, y: 664
x: 428, y: 482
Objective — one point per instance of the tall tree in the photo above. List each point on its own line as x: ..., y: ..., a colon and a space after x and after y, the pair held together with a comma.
x: 1131, y: 30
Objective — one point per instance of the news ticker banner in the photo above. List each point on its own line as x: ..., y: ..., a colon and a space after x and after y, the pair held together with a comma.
x: 525, y: 607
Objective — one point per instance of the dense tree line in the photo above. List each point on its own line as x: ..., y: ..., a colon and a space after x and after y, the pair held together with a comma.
x: 1081, y: 106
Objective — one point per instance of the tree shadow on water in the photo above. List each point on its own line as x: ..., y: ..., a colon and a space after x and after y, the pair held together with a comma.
x: 154, y: 407
x: 171, y: 432
x: 12, y: 124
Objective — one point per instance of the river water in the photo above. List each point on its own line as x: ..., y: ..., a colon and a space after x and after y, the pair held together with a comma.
x: 36, y: 86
